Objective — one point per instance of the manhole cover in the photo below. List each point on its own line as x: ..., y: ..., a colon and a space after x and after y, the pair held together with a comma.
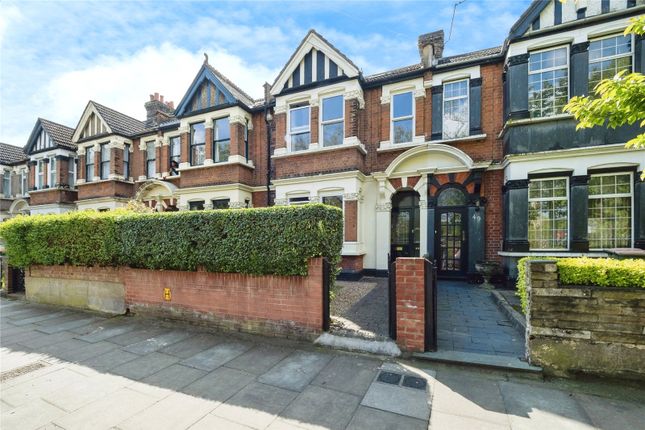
x: 389, y: 378
x: 414, y: 382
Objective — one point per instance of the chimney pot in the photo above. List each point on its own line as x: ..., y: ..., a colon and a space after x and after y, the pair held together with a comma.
x: 152, y: 97
x: 161, y: 98
x: 431, y: 47
x: 156, y: 96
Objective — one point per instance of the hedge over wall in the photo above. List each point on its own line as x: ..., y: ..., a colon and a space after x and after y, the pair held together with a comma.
x: 277, y: 240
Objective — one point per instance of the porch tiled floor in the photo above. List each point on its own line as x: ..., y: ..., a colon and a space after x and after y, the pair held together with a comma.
x: 468, y: 320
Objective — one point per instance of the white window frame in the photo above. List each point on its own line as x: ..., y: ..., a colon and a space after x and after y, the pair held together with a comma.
x: 71, y: 172
x: 53, y: 167
x: 298, y: 196
x: 149, y: 144
x: 215, y: 141
x: 413, y: 116
x: 568, y: 67
x: 90, y: 150
x: 6, y: 191
x: 612, y: 57
x: 308, y: 130
x: 23, y: 183
x: 102, y: 161
x: 544, y: 199
x: 631, y: 192
x: 443, y: 107
x: 332, y: 121
x: 40, y: 174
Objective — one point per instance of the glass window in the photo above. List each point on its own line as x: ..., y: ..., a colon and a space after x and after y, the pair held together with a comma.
x: 175, y: 155
x: 52, y: 173
x: 151, y: 161
x: 196, y: 206
x: 298, y: 200
x: 126, y: 161
x: 89, y: 164
x: 299, y: 131
x: 220, y: 203
x: 609, y: 56
x: 548, y: 82
x: 71, y: 172
x: 451, y: 197
x: 549, y: 214
x: 455, y: 110
x: 333, y: 125
x: 221, y: 140
x: 335, y: 201
x: 6, y: 183
x: 23, y: 183
x: 246, y: 140
x: 197, y: 144
x: 610, y: 211
x: 402, y: 117
x: 105, y: 161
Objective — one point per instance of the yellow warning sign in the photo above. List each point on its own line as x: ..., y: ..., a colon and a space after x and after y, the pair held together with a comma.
x: 166, y: 294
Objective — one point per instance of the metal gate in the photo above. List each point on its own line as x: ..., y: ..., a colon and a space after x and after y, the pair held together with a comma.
x: 326, y: 267
x: 392, y: 298
x: 430, y: 277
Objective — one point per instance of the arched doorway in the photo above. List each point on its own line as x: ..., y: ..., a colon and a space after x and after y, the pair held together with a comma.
x: 405, y: 237
x: 451, y: 231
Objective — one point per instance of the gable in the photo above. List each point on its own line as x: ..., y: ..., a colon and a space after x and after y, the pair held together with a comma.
x: 90, y: 124
x: 41, y: 142
x: 315, y: 60
x: 206, y: 91
x: 49, y: 135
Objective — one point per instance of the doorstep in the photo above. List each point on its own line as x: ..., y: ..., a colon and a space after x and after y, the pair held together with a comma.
x: 479, y: 360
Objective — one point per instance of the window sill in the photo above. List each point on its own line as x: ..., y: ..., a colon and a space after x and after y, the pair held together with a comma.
x: 210, y: 163
x: 387, y: 146
x: 44, y: 190
x: 529, y: 121
x: 548, y: 254
x: 347, y: 143
x: 100, y: 181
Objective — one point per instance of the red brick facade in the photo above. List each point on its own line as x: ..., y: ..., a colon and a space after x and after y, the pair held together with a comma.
x: 410, y: 304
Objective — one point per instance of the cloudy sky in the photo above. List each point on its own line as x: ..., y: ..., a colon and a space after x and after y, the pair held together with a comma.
x: 55, y: 56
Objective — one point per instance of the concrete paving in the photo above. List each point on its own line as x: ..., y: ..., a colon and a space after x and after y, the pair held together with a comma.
x: 130, y: 373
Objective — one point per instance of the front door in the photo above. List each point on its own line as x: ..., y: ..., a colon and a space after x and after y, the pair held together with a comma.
x: 405, y: 234
x: 451, y: 242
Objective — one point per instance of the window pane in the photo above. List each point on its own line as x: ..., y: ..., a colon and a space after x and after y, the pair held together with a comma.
x: 333, y: 134
x: 451, y: 197
x: 548, y: 89
x: 150, y: 151
x: 222, y: 129
x: 402, y: 105
x: 196, y: 206
x: 197, y: 155
x: 610, y: 211
x: 548, y: 214
x: 402, y: 131
x: 455, y: 118
x: 220, y: 203
x: 332, y: 108
x: 175, y: 146
x: 335, y: 201
x: 198, y: 133
x: 300, y: 142
x: 222, y: 151
x: 299, y: 119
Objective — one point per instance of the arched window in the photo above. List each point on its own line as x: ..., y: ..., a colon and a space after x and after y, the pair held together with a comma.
x: 452, y: 196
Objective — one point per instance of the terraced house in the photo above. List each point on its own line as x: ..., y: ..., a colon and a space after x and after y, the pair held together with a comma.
x: 461, y: 158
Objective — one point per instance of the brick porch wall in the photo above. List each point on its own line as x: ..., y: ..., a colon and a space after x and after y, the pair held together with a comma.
x: 410, y: 304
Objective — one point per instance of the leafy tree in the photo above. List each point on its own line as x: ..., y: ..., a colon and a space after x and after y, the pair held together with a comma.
x: 616, y: 101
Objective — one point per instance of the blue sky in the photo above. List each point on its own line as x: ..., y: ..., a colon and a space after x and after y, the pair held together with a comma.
x: 55, y: 56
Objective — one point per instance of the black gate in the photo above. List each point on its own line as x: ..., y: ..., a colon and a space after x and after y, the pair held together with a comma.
x: 326, y: 267
x: 392, y: 298
x: 430, y: 275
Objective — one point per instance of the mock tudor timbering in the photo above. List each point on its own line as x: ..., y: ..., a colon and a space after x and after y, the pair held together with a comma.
x: 460, y: 158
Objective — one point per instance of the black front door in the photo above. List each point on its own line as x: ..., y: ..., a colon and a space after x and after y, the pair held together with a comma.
x: 451, y: 250
x: 405, y: 234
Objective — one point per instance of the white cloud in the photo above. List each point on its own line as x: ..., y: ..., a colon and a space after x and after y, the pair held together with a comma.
x: 8, y: 15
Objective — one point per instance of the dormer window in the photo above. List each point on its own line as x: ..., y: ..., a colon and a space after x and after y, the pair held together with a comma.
x: 548, y: 82
x: 299, y: 128
x: 607, y: 57
x: 455, y: 109
x: 332, y: 123
x: 402, y: 117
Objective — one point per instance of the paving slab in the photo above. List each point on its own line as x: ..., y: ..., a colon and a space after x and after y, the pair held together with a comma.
x: 374, y: 419
x: 82, y: 391
x: 192, y: 345
x: 610, y: 414
x: 216, y: 356
x: 296, y: 371
x: 211, y: 422
x: 442, y: 420
x: 86, y: 351
x: 54, y: 327
x: 37, y: 317
x: 157, y: 342
x: 144, y: 366
x: 177, y: 411
x: 44, y: 339
x: 219, y: 385
x: 174, y: 377
x: 107, y: 412
x: 530, y: 406
x: 349, y: 374
x: 318, y: 407
x: 104, y: 332
x: 256, y: 405
x: 28, y: 391
x: 109, y: 360
x: 139, y: 333
x: 259, y: 359
x: 31, y: 416
x: 399, y: 400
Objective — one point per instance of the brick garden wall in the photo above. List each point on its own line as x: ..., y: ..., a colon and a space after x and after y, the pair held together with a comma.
x: 581, y: 329
x: 410, y: 304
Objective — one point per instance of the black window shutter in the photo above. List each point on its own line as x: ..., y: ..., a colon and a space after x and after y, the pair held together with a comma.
x: 475, y: 107
x: 437, y: 112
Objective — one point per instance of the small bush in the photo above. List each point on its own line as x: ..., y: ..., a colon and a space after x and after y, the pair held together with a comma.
x: 276, y: 240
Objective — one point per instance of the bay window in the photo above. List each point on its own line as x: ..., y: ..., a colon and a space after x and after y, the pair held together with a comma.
x: 299, y: 128
x: 105, y: 160
x: 89, y: 164
x: 197, y: 144
x: 151, y: 160
x: 332, y: 123
x: 548, y: 82
x: 549, y: 214
x: 609, y: 56
x: 402, y: 117
x: 221, y: 140
x: 455, y: 109
x: 610, y: 211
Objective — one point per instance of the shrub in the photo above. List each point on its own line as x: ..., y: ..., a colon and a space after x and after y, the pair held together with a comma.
x: 276, y: 240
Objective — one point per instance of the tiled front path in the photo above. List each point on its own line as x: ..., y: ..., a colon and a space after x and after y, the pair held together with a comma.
x: 468, y: 320
x: 71, y: 370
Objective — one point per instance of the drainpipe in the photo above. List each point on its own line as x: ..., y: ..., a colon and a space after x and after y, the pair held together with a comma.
x: 267, y: 120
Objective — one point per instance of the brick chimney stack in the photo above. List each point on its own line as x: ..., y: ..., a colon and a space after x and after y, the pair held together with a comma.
x: 158, y: 110
x: 431, y: 47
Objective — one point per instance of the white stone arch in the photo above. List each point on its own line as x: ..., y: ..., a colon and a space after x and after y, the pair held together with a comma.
x: 19, y: 207
x: 157, y: 191
x: 435, y: 157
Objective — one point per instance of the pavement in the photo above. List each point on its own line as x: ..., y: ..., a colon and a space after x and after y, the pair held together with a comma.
x: 64, y: 369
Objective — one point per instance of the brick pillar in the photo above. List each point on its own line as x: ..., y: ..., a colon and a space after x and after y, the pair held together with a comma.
x: 185, y: 147
x: 385, y: 121
x: 419, y: 121
x: 164, y: 159
x: 237, y: 139
x: 280, y: 130
x: 46, y: 173
x: 80, y: 173
x: 410, y: 304
x: 351, y: 220
x: 97, y: 161
x: 315, y: 113
x: 116, y: 161
x: 62, y: 169
x: 351, y: 118
x: 158, y: 165
x: 208, y: 138
x: 31, y: 181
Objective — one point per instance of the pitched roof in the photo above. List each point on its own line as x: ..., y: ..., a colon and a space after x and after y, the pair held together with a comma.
x: 394, y: 73
x: 10, y: 154
x: 118, y: 122
x: 524, y: 21
x: 234, y: 89
x: 60, y: 134
x: 471, y: 56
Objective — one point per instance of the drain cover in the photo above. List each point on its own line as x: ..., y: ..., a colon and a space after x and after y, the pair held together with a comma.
x: 414, y: 382
x: 389, y: 378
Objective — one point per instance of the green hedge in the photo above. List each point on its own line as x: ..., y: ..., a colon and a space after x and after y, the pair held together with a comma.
x: 277, y: 240
x: 600, y: 272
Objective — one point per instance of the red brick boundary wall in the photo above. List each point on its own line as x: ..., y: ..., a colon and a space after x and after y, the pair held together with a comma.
x: 272, y: 305
x: 410, y: 304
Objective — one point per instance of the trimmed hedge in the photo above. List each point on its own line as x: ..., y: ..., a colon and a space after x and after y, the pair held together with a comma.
x: 600, y: 272
x: 277, y: 240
